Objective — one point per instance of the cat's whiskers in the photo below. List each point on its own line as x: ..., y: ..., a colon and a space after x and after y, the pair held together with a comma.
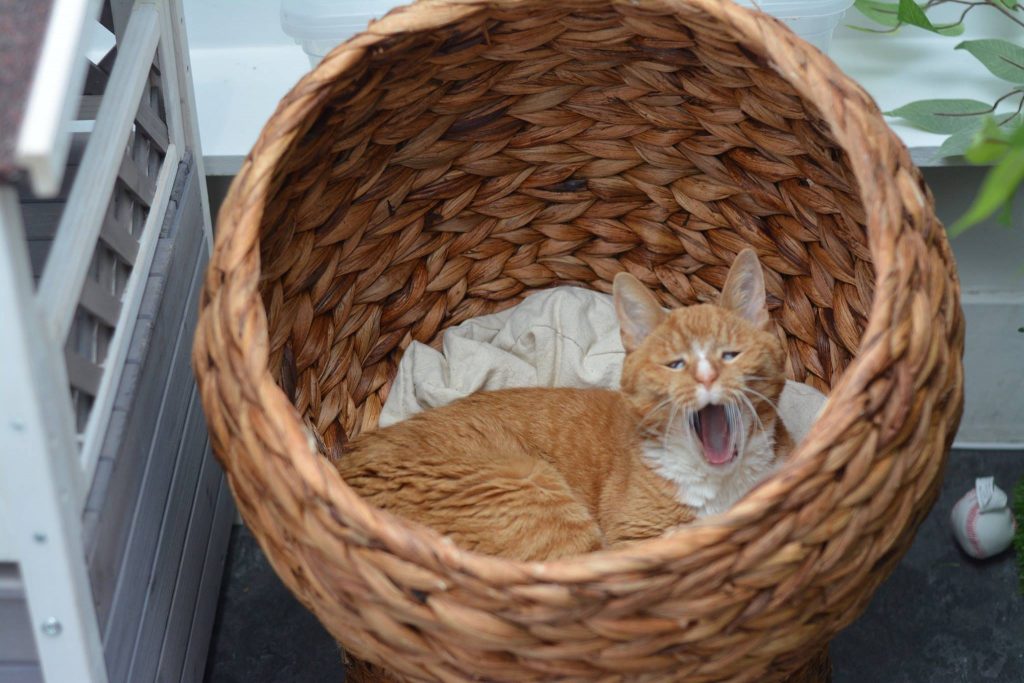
x: 673, y: 406
x: 753, y: 411
x: 684, y: 423
x: 678, y: 423
x: 690, y: 425
x: 650, y: 422
x: 734, y: 417
x: 667, y: 401
x: 745, y: 401
x: 758, y: 394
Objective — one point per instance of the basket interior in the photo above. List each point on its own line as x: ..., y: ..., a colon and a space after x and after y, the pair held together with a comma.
x: 449, y: 171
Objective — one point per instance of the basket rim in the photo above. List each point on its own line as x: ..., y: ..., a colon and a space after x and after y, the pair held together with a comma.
x: 872, y: 151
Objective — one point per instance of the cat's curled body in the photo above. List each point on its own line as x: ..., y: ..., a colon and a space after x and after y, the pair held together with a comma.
x: 537, y: 474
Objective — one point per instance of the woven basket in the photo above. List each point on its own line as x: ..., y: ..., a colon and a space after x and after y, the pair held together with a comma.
x: 460, y: 154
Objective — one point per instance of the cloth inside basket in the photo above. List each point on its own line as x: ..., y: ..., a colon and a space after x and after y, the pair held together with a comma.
x: 560, y: 337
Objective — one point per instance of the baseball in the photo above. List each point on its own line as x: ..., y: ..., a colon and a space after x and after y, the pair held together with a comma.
x: 983, y: 523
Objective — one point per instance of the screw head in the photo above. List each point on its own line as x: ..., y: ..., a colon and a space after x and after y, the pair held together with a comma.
x: 52, y: 627
x: 17, y: 425
x: 39, y: 537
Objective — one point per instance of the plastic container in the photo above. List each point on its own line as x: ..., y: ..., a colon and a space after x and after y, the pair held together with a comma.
x: 319, y: 25
x: 812, y: 20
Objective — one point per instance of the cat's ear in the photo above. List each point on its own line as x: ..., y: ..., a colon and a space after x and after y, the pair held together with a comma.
x: 637, y: 309
x: 744, y: 289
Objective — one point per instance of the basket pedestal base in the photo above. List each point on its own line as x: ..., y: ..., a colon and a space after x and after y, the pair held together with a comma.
x: 817, y: 670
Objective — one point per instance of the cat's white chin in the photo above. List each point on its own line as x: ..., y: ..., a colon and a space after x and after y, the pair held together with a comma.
x: 712, y: 488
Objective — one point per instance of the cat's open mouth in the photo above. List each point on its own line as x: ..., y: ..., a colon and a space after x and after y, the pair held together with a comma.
x: 714, y: 428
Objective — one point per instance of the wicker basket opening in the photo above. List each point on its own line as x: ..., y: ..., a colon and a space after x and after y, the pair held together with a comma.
x: 463, y: 153
x: 451, y: 171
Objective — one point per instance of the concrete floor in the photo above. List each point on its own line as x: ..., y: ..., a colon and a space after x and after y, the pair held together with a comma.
x: 940, y: 618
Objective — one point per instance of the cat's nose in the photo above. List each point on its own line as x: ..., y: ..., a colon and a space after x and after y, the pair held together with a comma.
x: 706, y: 373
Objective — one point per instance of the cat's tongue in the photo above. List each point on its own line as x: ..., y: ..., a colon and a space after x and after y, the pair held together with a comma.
x: 714, y: 434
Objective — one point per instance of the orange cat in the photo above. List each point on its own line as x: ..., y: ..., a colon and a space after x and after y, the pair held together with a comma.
x: 537, y: 474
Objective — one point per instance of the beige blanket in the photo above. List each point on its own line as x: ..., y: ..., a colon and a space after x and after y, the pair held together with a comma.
x: 561, y: 337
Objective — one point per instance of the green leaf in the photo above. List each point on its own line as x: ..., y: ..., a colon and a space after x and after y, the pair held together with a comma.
x: 996, y: 190
x: 950, y: 29
x: 957, y: 144
x: 909, y: 12
x: 1018, y: 537
x: 884, y: 13
x: 989, y: 144
x: 1008, y: 4
x: 1002, y: 58
x: 943, y: 116
x: 1005, y: 217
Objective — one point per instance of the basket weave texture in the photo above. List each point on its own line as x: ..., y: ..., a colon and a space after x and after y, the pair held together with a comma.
x: 460, y: 154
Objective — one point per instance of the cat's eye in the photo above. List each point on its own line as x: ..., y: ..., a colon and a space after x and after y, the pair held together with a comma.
x: 729, y: 355
x: 676, y: 364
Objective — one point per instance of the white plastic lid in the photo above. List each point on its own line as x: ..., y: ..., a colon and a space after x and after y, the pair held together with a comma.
x: 327, y: 19
x: 795, y: 9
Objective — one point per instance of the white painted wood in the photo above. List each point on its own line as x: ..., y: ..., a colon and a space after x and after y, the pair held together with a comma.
x: 187, y: 107
x: 169, y: 78
x: 68, y: 263
x: 39, y: 494
x: 43, y: 140
x: 59, y: 410
x: 99, y: 417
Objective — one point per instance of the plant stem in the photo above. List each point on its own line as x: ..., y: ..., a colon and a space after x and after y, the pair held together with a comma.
x: 977, y: 3
x: 991, y: 109
x: 963, y: 15
x: 1020, y: 105
x: 1008, y: 13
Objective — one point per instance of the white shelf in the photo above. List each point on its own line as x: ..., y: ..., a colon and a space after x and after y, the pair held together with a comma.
x: 237, y: 89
